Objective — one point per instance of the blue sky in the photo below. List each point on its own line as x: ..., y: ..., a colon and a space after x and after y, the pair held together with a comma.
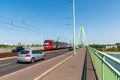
x: 101, y: 19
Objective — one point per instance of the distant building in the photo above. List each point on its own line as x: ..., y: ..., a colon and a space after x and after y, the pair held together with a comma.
x: 109, y: 46
x: 118, y: 44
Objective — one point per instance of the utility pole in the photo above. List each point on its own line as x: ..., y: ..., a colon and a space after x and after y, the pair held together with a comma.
x: 74, y: 26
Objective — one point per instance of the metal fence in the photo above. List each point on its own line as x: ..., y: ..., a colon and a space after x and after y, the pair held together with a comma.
x: 104, y: 70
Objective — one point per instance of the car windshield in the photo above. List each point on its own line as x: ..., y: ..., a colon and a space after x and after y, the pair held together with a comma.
x: 24, y: 52
x: 14, y: 48
x: 17, y: 48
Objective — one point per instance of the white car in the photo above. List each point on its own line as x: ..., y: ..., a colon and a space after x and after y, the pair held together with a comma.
x: 30, y: 56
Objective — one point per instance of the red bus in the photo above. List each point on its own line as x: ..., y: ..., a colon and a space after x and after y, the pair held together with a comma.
x: 48, y: 44
x: 51, y: 44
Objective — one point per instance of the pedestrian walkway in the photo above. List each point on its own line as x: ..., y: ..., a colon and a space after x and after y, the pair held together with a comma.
x: 90, y: 71
x: 73, y: 69
x: 69, y: 70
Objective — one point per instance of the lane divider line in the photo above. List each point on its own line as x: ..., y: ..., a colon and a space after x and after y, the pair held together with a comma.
x: 51, y: 59
x: 51, y: 69
x: 4, y: 64
x: 8, y: 58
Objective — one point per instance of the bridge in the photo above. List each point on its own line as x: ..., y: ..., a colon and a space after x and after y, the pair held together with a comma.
x: 87, y: 64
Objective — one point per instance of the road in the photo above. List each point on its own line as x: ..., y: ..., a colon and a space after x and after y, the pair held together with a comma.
x: 10, y: 65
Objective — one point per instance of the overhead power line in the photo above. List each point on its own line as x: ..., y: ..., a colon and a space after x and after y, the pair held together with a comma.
x: 24, y: 28
x: 21, y: 27
x: 10, y: 19
x: 69, y: 2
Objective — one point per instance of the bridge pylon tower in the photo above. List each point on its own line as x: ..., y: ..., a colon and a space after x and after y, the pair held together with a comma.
x: 81, y: 34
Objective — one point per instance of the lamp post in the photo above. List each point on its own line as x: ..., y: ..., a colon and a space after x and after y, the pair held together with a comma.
x: 74, y: 26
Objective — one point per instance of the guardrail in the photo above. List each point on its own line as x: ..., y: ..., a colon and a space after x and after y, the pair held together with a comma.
x: 104, y: 70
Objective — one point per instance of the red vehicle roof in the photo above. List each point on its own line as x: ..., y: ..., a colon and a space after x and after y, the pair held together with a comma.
x: 49, y: 40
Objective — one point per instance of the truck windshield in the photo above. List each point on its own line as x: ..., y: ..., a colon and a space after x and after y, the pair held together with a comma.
x: 46, y: 44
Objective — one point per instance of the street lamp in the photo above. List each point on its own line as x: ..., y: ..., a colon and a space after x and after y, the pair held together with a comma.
x: 74, y: 26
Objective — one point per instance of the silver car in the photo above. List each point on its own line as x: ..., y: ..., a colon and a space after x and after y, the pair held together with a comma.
x: 30, y: 56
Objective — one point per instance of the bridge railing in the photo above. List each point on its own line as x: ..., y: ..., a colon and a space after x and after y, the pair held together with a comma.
x: 104, y: 70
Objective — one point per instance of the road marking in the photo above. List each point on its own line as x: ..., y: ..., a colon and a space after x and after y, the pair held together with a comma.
x: 51, y: 59
x: 4, y: 64
x: 8, y: 58
x: 49, y: 70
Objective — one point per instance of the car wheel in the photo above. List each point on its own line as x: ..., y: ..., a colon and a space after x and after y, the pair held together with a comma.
x: 18, y: 62
x: 32, y: 60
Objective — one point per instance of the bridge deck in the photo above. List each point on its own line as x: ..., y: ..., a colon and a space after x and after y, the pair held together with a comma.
x: 73, y: 69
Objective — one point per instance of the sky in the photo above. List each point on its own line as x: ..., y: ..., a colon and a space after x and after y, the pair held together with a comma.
x: 33, y: 21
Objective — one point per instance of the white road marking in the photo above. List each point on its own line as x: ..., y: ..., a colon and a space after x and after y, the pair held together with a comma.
x: 8, y: 58
x: 49, y: 70
x: 11, y: 74
x: 4, y: 64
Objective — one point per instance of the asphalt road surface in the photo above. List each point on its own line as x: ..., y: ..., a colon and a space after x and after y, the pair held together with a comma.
x: 11, y: 65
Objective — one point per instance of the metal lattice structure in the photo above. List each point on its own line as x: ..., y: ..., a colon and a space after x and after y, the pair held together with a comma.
x: 82, y: 33
x: 104, y: 69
